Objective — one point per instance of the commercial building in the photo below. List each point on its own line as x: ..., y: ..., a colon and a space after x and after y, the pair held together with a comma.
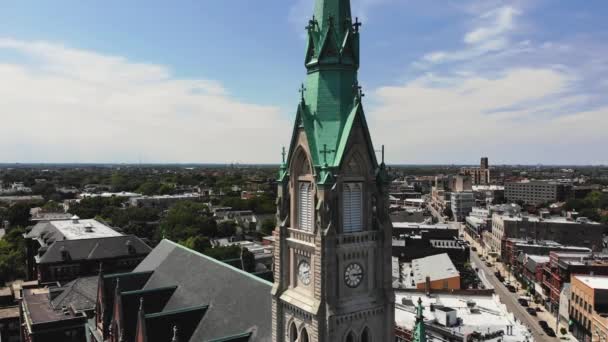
x: 589, y: 307
x: 535, y: 192
x: 515, y: 247
x: 561, y: 266
x: 479, y: 175
x: 436, y: 272
x: 579, y: 232
x: 462, y: 204
x: 64, y: 250
x: 410, y: 247
x: 457, y: 318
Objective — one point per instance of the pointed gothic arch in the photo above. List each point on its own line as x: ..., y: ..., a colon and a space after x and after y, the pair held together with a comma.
x: 300, y: 163
x: 293, y: 332
x: 304, y: 336
x: 365, y: 335
x: 350, y: 337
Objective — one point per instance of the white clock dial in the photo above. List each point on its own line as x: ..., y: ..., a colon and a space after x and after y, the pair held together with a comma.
x: 353, y: 274
x: 304, y: 272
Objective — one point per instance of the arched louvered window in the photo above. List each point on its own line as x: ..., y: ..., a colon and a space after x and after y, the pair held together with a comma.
x: 350, y: 337
x: 293, y: 332
x: 365, y: 335
x: 352, y: 207
x: 305, y: 206
x: 304, y: 335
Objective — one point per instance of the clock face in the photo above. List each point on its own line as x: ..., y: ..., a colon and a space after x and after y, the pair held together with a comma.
x: 353, y: 274
x: 304, y: 272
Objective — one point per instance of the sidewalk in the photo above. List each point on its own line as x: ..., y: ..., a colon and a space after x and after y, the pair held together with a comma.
x: 543, y: 315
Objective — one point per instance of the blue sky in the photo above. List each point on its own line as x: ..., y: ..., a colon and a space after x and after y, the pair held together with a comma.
x: 216, y: 81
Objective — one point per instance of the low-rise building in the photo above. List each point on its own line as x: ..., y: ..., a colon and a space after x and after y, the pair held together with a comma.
x: 580, y: 232
x: 436, y: 272
x: 162, y: 201
x: 515, y: 247
x: 589, y: 307
x: 561, y: 266
x: 66, y: 249
x: 457, y: 318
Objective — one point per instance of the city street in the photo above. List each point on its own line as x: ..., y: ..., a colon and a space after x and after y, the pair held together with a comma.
x: 510, y: 300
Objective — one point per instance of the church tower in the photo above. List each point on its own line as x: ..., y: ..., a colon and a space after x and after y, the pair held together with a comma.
x: 332, y: 260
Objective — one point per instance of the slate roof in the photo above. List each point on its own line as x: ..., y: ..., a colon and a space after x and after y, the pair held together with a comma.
x: 80, y: 295
x: 95, y: 249
x: 232, y: 303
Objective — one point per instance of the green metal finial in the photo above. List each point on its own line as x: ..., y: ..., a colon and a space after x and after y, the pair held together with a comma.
x: 419, y: 329
x: 283, y: 153
x: 302, y: 91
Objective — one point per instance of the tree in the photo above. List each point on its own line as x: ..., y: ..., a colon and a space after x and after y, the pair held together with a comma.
x: 12, y: 255
x: 197, y: 243
x: 268, y: 226
x: 19, y: 214
x: 226, y: 229
x: 187, y: 219
x: 148, y: 188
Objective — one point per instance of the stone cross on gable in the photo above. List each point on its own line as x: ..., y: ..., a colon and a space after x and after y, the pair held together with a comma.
x: 311, y: 24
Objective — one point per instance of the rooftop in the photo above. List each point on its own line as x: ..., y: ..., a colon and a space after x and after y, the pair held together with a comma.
x: 552, y: 219
x: 9, y: 312
x: 484, y: 314
x: 594, y: 282
x: 73, y: 229
x: 38, y: 308
x: 436, y: 267
x: 414, y: 225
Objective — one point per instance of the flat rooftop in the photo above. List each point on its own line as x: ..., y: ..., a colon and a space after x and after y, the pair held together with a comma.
x: 39, y: 308
x: 83, y: 229
x: 594, y: 282
x: 9, y: 312
x: 413, y: 225
x: 489, y: 315
x: 436, y: 267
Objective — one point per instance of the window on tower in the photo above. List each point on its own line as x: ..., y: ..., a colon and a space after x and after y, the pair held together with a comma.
x: 352, y: 207
x: 305, y: 205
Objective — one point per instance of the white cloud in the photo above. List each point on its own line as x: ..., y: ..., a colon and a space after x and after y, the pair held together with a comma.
x: 461, y: 119
x: 497, y: 22
x: 489, y: 34
x: 60, y: 104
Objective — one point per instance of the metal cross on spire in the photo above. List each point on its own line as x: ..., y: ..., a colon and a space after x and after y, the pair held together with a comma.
x: 357, y: 24
x: 324, y: 152
x: 301, y: 91
x: 358, y: 91
x: 283, y: 153
x: 311, y: 23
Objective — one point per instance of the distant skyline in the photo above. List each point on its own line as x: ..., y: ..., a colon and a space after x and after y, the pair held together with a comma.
x: 446, y: 82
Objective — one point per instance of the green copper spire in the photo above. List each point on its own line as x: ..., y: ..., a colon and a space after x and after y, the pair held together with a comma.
x: 331, y: 96
x: 419, y: 329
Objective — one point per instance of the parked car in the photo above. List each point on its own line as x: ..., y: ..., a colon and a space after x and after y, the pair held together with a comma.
x: 550, y: 332
x: 489, y: 264
x: 538, y: 309
x: 474, y: 249
x: 524, y: 302
x: 543, y: 324
x: 511, y: 288
x: 531, y: 311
